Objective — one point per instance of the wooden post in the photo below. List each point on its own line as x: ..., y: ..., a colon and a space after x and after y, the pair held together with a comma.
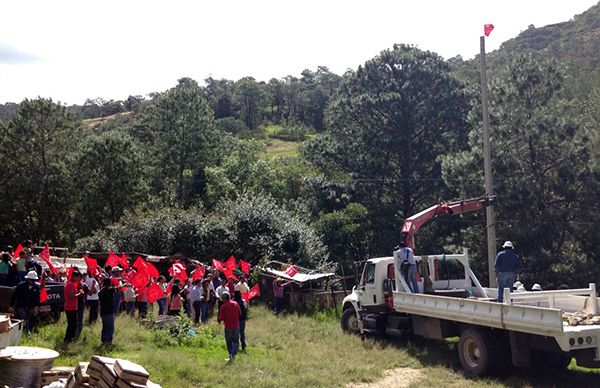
x: 487, y: 168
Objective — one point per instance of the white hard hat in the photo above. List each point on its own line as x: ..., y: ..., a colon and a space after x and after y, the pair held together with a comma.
x: 31, y: 275
x: 536, y: 287
x: 116, y: 268
x: 507, y: 244
x: 521, y: 288
x: 517, y: 284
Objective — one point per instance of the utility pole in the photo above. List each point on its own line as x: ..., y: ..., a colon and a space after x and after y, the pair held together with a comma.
x: 487, y: 168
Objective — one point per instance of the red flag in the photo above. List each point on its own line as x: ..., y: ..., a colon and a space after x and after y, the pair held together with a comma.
x: 43, y: 294
x: 254, y: 292
x: 245, y: 267
x: 487, y: 29
x: 112, y: 260
x: 142, y: 265
x: 123, y: 261
x: 230, y: 264
x: 17, y: 251
x: 291, y: 271
x: 154, y: 292
x: 229, y: 274
x: 127, y: 276
x: 198, y: 272
x: 92, y: 266
x: 45, y: 255
x: 218, y: 265
x: 246, y: 296
x: 152, y: 271
x: 177, y: 270
x: 70, y: 274
x: 140, y: 280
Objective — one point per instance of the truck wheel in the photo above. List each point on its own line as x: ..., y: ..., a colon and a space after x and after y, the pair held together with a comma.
x: 350, y: 321
x: 476, y: 352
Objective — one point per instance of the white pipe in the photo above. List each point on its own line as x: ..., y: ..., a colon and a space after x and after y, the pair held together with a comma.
x: 593, y: 299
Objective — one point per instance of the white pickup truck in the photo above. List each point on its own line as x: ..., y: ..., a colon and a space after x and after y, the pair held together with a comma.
x: 527, y: 328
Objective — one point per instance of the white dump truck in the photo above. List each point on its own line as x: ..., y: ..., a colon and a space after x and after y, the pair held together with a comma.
x: 546, y: 328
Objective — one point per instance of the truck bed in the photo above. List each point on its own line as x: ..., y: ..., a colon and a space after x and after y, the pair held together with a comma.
x: 525, y: 318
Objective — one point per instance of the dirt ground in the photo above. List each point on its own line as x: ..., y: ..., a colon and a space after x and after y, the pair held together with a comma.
x: 399, y: 377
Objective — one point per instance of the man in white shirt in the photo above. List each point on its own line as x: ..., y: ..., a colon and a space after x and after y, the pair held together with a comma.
x: 219, y: 292
x: 242, y: 285
x: 404, y: 255
x: 92, y: 296
x: 195, y: 297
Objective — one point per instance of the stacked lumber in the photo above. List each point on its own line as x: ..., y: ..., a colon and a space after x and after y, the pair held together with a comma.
x: 580, y: 318
x: 104, y: 372
x: 57, y: 373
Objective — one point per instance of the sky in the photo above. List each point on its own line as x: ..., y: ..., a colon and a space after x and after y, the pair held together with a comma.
x: 73, y: 50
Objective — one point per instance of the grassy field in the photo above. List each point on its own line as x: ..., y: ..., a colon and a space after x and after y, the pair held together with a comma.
x: 292, y: 351
x: 277, y: 147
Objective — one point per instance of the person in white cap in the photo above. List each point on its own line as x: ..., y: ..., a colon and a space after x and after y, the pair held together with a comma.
x: 26, y: 300
x: 536, y: 287
x: 506, y: 266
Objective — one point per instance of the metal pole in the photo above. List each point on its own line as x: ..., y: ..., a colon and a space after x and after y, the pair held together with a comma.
x: 487, y: 168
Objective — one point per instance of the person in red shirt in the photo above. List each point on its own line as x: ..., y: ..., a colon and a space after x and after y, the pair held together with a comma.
x: 72, y: 293
x: 229, y: 314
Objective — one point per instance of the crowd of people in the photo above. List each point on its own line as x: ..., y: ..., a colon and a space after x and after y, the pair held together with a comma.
x: 105, y: 292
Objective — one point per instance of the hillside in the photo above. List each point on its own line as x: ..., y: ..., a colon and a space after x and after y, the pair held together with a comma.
x: 575, y: 43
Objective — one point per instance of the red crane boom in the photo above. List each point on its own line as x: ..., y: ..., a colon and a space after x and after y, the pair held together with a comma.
x: 413, y: 223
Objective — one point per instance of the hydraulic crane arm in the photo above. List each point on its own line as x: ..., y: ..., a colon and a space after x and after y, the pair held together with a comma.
x: 413, y: 223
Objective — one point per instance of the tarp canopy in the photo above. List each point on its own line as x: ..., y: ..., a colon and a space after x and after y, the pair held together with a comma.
x: 303, y: 275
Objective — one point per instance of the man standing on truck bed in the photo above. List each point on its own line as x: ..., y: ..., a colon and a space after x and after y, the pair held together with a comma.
x: 407, y: 266
x: 506, y: 266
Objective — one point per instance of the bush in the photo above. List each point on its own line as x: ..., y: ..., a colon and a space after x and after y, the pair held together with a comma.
x: 255, y: 229
x: 232, y: 125
x: 294, y: 132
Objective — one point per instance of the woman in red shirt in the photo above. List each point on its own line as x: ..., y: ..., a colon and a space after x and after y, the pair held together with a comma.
x: 72, y: 293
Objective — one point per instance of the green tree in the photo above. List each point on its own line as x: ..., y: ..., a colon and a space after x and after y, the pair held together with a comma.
x: 37, y: 190
x: 179, y: 128
x: 389, y: 125
x: 346, y: 233
x: 109, y: 173
x: 540, y: 166
x: 251, y: 99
